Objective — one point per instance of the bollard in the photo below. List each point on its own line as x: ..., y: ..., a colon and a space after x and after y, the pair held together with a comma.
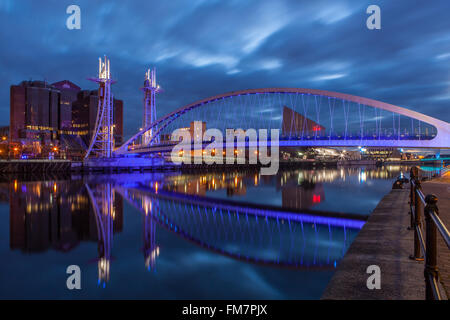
x: 431, y: 271
x: 397, y: 185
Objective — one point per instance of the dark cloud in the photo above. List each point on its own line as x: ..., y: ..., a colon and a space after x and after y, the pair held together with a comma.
x: 206, y: 47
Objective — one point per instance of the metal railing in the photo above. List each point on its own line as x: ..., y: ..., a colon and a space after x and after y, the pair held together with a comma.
x: 426, y: 206
x: 433, y: 173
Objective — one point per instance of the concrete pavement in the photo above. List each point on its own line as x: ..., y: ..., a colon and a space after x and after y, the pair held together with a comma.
x: 383, y: 241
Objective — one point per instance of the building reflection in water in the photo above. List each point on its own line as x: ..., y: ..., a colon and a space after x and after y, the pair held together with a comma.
x: 300, y: 189
x: 57, y: 215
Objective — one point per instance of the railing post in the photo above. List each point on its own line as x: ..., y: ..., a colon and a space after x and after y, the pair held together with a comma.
x: 411, y: 204
x: 412, y: 175
x: 431, y: 271
x: 417, y: 220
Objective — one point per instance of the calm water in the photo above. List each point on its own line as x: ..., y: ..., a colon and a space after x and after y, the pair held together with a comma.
x: 233, y: 235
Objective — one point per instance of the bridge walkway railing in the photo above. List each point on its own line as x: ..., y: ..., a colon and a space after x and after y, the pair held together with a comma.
x: 425, y: 243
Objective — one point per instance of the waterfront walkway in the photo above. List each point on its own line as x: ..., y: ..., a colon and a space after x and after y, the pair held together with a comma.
x: 383, y: 241
x: 441, y: 188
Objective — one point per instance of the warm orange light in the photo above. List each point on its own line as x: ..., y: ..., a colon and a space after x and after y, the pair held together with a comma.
x: 16, y: 149
x: 156, y: 187
x: 55, y: 149
x: 15, y: 185
x: 4, y: 138
x: 54, y: 187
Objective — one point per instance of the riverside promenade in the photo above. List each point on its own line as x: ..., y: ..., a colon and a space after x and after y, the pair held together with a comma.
x: 386, y: 242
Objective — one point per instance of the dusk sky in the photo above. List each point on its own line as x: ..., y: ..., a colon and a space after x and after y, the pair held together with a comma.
x: 206, y: 47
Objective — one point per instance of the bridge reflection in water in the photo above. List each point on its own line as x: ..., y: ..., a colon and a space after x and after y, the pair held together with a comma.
x: 253, y: 235
x: 277, y: 237
x: 59, y: 214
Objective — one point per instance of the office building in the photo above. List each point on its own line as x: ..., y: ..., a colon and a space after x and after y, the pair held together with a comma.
x: 55, y: 120
x: 84, y: 115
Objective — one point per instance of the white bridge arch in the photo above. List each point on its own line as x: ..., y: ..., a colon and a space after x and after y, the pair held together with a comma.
x: 363, y: 122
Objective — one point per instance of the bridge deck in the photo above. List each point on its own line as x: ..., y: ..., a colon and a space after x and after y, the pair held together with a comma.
x: 383, y: 241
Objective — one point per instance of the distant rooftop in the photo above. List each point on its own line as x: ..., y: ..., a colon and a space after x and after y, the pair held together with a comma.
x: 66, y: 84
x: 35, y: 83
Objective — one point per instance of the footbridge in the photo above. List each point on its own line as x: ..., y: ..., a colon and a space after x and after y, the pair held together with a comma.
x: 304, y: 117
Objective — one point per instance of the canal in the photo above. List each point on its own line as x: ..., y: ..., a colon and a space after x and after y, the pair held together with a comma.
x: 214, y: 235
